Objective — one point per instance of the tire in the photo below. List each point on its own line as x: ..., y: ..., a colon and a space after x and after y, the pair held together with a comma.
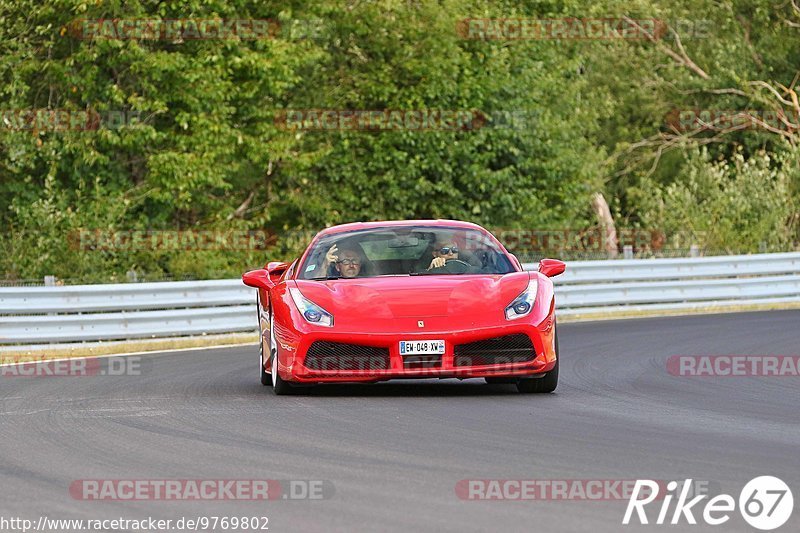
x: 265, y: 377
x: 545, y: 384
x: 279, y: 386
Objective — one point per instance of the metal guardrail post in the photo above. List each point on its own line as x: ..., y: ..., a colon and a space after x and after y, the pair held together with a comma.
x: 627, y: 251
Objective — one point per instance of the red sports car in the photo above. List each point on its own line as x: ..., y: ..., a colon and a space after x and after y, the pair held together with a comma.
x: 375, y: 301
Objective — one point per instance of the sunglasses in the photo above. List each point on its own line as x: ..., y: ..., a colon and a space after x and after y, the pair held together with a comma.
x: 448, y: 249
x: 346, y: 262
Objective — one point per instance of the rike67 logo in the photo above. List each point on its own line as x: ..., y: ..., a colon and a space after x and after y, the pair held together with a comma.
x: 766, y: 503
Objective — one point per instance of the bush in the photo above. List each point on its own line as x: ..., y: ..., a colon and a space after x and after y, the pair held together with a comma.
x: 734, y: 206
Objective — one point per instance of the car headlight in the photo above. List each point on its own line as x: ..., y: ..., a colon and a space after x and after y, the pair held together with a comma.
x: 313, y: 313
x: 523, y: 304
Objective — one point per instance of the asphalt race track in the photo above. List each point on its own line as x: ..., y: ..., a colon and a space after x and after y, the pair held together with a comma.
x: 394, y: 452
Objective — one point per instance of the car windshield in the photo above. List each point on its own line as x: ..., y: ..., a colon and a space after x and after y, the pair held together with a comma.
x: 406, y: 250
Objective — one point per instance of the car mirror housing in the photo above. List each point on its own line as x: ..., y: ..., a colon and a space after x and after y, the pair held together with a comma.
x: 276, y: 270
x: 552, y: 267
x: 260, y: 279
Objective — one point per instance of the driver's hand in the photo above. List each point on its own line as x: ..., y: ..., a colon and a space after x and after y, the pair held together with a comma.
x: 437, y: 262
x: 331, y: 256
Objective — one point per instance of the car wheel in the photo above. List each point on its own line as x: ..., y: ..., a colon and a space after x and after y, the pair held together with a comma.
x: 279, y: 386
x: 265, y: 378
x: 547, y: 383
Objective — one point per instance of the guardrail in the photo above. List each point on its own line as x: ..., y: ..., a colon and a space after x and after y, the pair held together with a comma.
x: 124, y: 311
x: 592, y: 287
x: 149, y: 310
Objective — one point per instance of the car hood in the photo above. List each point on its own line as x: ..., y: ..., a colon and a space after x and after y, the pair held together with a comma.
x: 470, y: 297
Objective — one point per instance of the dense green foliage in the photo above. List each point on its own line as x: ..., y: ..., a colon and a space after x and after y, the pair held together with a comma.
x: 204, y: 149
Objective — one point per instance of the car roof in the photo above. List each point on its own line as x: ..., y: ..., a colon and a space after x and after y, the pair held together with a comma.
x: 355, y: 226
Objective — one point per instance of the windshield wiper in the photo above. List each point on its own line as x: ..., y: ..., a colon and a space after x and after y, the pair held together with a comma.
x: 428, y: 273
x: 325, y: 278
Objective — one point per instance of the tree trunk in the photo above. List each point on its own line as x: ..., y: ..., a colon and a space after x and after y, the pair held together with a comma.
x: 607, y: 227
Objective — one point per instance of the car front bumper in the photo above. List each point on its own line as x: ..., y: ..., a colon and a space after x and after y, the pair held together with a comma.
x: 384, y: 361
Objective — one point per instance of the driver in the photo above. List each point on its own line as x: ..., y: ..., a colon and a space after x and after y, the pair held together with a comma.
x: 443, y: 251
x: 347, y: 261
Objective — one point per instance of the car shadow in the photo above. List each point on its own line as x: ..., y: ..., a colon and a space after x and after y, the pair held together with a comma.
x: 409, y: 388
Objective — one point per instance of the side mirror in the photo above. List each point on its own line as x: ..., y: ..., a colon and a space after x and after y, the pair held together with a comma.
x: 551, y: 267
x: 276, y: 270
x: 258, y: 278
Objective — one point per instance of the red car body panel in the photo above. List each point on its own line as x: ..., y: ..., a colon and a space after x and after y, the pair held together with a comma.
x: 383, y: 311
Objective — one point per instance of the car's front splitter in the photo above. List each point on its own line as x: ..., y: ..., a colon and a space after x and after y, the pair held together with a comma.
x: 449, y: 365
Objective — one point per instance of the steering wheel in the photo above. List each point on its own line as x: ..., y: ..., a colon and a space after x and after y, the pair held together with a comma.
x: 456, y: 266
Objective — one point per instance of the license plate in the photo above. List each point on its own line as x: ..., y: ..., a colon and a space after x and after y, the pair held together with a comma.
x: 432, y: 347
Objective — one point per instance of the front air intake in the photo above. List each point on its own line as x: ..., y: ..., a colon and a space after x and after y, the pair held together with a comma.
x: 516, y: 348
x: 327, y: 355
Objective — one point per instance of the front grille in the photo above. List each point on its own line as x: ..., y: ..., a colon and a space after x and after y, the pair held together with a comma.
x: 422, y: 361
x: 516, y: 348
x: 326, y: 355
